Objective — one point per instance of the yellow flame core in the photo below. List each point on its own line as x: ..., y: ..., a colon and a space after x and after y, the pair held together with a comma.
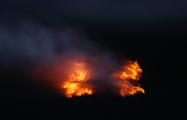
x: 129, y: 72
x: 76, y: 85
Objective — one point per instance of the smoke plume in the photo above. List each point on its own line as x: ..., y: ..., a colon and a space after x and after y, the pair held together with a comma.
x: 65, y: 58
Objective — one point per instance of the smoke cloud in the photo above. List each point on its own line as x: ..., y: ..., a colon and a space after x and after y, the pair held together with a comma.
x: 32, y: 42
x: 27, y: 43
x: 64, y: 58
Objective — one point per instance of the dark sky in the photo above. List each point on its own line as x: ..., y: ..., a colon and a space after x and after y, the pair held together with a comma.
x: 152, y: 32
x: 98, y: 10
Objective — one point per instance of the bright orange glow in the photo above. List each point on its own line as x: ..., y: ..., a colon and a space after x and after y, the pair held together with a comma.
x: 76, y: 89
x: 123, y: 79
x: 76, y: 82
x: 131, y: 71
x: 78, y: 76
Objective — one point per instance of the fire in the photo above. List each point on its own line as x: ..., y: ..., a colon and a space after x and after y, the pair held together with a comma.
x: 81, y: 76
x: 131, y: 71
x: 76, y: 82
x: 76, y: 89
x: 125, y: 77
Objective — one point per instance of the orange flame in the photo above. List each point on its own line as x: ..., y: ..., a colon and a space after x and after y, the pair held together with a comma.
x: 72, y: 77
x: 76, y: 82
x: 124, y: 77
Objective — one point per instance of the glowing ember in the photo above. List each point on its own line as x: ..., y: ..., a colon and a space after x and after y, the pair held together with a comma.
x: 76, y: 82
x: 124, y: 77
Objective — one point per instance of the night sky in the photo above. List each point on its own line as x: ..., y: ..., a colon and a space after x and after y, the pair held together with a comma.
x: 152, y: 32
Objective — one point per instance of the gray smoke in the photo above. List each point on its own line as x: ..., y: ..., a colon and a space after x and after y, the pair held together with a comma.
x: 28, y: 41
x: 35, y: 48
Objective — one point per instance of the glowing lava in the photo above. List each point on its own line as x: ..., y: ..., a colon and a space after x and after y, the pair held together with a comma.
x: 125, y: 77
x: 76, y: 83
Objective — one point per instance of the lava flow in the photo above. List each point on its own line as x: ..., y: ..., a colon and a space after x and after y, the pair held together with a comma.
x: 76, y: 83
x: 126, y: 78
